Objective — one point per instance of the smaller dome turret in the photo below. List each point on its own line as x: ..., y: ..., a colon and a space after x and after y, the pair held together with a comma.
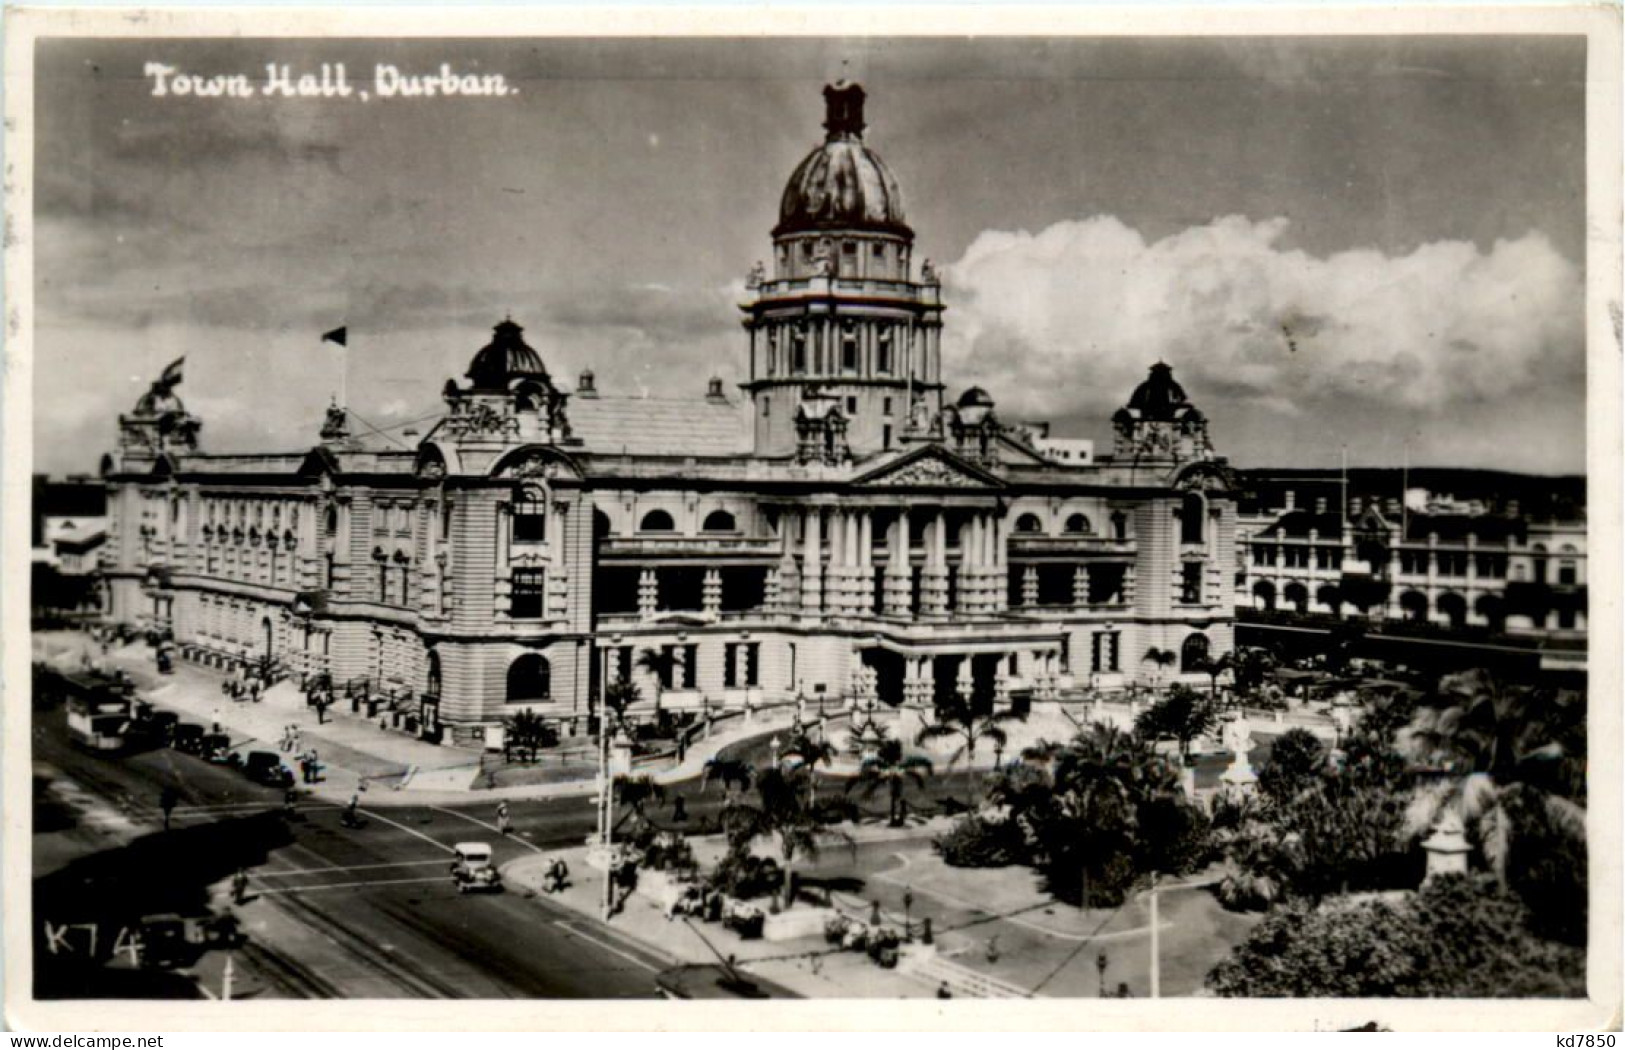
x: 975, y: 405
x: 506, y: 358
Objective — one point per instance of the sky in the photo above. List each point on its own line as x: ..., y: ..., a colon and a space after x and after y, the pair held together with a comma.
x: 1375, y: 243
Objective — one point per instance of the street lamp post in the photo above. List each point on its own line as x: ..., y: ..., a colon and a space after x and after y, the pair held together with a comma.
x: 1100, y: 968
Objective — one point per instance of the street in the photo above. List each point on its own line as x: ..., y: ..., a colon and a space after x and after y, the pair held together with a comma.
x: 330, y: 912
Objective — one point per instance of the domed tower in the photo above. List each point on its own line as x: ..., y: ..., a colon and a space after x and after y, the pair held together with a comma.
x: 1160, y: 423
x: 842, y: 337
x: 509, y: 398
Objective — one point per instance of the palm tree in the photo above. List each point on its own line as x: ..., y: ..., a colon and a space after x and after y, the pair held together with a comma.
x: 733, y: 774
x: 959, y: 720
x: 890, y: 767
x: 661, y: 665
x: 1492, y: 742
x: 809, y: 751
x: 524, y: 731
x: 620, y: 696
x: 1182, y: 714
x: 637, y: 792
x: 1162, y: 658
x: 783, y: 814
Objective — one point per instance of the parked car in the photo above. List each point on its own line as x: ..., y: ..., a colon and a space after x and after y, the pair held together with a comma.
x: 264, y: 767
x: 188, y: 738
x: 216, y: 748
x: 472, y: 870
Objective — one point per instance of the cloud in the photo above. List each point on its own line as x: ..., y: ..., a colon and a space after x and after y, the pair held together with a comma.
x: 1063, y: 323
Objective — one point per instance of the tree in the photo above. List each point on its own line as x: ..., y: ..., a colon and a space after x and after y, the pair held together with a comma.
x: 635, y: 793
x: 1507, y: 761
x: 1456, y: 937
x: 1161, y: 658
x: 1089, y: 820
x: 782, y: 813
x: 524, y: 731
x: 733, y: 774
x: 620, y: 696
x: 1182, y: 714
x: 808, y: 751
x: 890, y: 768
x: 1250, y: 667
x: 661, y: 665
x: 957, y: 719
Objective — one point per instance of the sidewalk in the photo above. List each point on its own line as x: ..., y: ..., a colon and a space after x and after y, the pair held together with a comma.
x: 808, y: 966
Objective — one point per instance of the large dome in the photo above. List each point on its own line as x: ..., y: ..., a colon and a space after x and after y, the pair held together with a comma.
x: 842, y: 185
x: 505, y: 358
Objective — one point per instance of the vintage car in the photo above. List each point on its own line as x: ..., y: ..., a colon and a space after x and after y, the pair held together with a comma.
x: 264, y: 767
x: 188, y: 737
x: 472, y: 870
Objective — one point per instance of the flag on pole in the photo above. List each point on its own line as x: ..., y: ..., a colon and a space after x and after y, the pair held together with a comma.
x: 339, y: 335
x: 172, y: 374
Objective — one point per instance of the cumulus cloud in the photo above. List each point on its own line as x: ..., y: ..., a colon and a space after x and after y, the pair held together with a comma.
x: 1063, y: 323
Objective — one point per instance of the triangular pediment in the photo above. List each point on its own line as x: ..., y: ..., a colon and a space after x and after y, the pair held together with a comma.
x: 928, y: 467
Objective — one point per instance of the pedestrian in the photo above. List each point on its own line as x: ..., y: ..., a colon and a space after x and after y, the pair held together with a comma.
x: 944, y: 992
x: 679, y: 811
x: 315, y: 767
x: 304, y: 768
x: 168, y: 798
x: 294, y: 745
x: 239, y: 885
x: 502, y: 818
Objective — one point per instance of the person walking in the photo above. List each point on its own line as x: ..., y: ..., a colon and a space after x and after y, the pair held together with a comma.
x: 503, y: 826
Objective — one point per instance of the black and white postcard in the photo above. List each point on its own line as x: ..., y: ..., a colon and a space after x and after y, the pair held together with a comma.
x: 779, y: 507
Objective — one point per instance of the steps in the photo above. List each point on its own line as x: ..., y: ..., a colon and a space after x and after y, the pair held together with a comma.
x: 962, y: 981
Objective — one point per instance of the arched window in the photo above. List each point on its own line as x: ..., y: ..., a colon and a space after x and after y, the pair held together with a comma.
x: 657, y: 521
x: 432, y: 684
x: 331, y: 525
x: 1415, y: 605
x: 1297, y: 596
x: 600, y: 524
x: 1264, y: 595
x: 1079, y: 525
x: 1028, y: 523
x: 719, y: 521
x: 1191, y: 513
x: 530, y: 680
x: 1193, y: 654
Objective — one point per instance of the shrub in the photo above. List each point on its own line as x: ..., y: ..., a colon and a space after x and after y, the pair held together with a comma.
x: 745, y: 876
x: 1456, y: 937
x: 977, y: 843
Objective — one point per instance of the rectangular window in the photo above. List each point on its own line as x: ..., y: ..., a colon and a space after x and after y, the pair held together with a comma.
x: 883, y: 353
x: 742, y: 665
x: 1190, y: 583
x: 691, y: 666
x: 1104, y: 653
x: 530, y: 521
x: 885, y: 406
x: 885, y: 436
x: 1492, y: 566
x: 849, y: 352
x: 767, y: 407
x: 851, y: 406
x: 1326, y: 557
x: 529, y: 594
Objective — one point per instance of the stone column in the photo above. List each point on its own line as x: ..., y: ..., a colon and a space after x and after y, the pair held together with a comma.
x: 899, y: 575
x: 811, y: 566
x: 934, y: 580
x: 1080, y: 585
x: 648, y: 593
x: 1029, y: 586
x: 711, y: 593
x: 866, y: 559
x: 789, y: 579
x: 999, y: 574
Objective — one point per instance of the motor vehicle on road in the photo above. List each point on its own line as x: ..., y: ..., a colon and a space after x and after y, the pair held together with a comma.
x: 264, y: 767
x: 473, y: 871
x: 187, y: 738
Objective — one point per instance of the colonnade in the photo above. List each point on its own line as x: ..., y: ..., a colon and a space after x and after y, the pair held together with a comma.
x: 835, y: 573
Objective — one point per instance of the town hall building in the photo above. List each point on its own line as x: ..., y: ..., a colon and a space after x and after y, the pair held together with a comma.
x: 844, y: 525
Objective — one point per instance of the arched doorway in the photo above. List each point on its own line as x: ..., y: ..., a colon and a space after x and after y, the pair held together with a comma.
x: 1415, y: 606
x: 1493, y: 610
x: 1264, y: 595
x: 1330, y: 598
x: 1297, y: 596
x: 1454, y: 607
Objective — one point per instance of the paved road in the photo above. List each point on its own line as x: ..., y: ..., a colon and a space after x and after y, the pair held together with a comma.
x: 331, y: 912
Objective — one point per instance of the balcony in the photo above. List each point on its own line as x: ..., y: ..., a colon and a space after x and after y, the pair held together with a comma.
x: 631, y: 546
x: 866, y: 287
x: 1041, y: 543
